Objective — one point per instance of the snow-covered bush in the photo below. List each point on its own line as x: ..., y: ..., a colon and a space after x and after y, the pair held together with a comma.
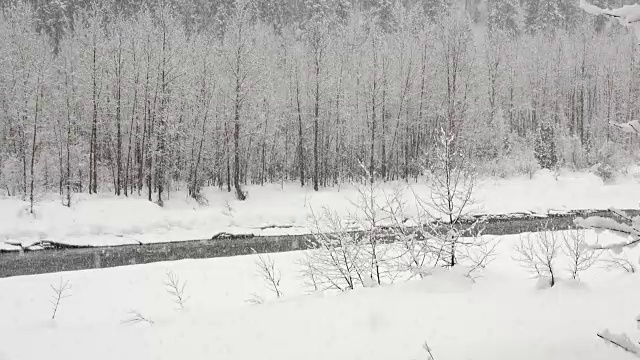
x: 338, y: 261
x: 537, y: 253
x: 517, y: 158
x: 609, y: 160
x: 354, y: 250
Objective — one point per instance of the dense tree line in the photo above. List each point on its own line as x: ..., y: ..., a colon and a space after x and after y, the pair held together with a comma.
x: 146, y: 101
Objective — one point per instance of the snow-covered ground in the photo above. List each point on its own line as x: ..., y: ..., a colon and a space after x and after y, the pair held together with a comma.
x: 106, y: 220
x: 500, y: 316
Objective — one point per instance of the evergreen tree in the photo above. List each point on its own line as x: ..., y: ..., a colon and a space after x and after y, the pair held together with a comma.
x: 545, y: 146
x: 549, y: 15
x: 435, y: 9
x: 502, y: 15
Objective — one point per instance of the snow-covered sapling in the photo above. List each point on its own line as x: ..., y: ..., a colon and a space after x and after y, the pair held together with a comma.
x: 537, y: 253
x: 135, y: 317
x: 269, y: 274
x: 308, y: 272
x: 60, y: 291
x: 452, y: 183
x: 580, y: 255
x: 175, y: 288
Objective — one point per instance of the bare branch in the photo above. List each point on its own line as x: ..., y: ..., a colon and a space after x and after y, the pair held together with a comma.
x: 175, y: 288
x: 620, y: 340
x: 135, y: 317
x: 268, y: 273
x: 60, y: 292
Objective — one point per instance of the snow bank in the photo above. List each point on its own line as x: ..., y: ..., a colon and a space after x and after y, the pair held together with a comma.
x: 500, y: 316
x: 270, y: 210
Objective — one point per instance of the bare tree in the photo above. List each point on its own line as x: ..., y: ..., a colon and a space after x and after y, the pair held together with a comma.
x: 34, y: 143
x: 452, y: 181
x: 268, y: 272
x: 576, y: 248
x: 133, y: 100
x: 240, y: 58
x: 317, y: 37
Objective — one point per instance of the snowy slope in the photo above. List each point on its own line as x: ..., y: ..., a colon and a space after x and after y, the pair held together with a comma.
x: 106, y: 220
x: 501, y: 316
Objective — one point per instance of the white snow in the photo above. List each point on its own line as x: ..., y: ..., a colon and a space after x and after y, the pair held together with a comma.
x: 106, y: 220
x: 627, y: 15
x: 632, y: 127
x: 499, y: 316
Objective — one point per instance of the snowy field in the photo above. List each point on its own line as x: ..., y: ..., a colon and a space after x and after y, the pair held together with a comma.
x: 270, y: 210
x: 502, y: 315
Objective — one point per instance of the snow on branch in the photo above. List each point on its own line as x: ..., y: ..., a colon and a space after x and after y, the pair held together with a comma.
x: 632, y: 127
x: 632, y: 236
x: 620, y: 340
x: 600, y: 224
x: 627, y: 15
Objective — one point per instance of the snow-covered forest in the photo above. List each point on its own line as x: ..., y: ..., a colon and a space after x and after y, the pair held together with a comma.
x: 426, y: 179
x: 150, y: 97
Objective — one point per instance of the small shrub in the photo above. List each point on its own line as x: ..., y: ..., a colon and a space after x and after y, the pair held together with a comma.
x: 537, y: 253
x: 269, y: 274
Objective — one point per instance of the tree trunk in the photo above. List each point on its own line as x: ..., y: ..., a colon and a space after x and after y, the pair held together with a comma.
x: 93, y: 151
x: 34, y: 147
x: 300, y: 138
x: 118, y: 118
x: 316, y: 115
x: 236, y: 139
